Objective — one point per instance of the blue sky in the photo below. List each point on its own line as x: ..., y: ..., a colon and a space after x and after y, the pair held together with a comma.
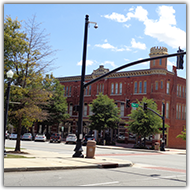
x: 125, y: 33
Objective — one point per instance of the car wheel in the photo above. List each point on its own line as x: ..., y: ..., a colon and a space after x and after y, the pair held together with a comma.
x: 66, y: 143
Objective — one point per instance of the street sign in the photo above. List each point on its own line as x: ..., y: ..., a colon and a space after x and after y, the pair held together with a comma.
x: 134, y: 105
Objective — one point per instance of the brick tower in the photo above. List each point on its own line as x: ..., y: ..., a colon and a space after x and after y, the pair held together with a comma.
x: 159, y: 63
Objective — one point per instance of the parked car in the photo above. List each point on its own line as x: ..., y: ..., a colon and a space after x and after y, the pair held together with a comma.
x: 13, y: 136
x: 71, y: 138
x: 40, y: 137
x: 27, y: 136
x: 56, y: 137
x: 86, y: 138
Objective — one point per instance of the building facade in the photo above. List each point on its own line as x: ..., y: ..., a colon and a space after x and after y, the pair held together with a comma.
x: 156, y: 83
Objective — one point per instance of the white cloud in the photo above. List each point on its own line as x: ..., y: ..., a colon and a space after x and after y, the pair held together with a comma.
x: 170, y: 63
x: 109, y: 62
x: 140, y: 14
x: 164, y: 29
x: 113, y: 48
x: 144, y: 63
x: 88, y: 62
x: 126, y: 59
x: 117, y: 17
x: 138, y: 45
x: 105, y: 46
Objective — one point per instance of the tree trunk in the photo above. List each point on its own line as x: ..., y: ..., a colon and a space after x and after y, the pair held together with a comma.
x: 17, y: 148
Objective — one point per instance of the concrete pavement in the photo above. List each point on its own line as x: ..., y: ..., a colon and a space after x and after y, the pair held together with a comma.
x: 53, y: 161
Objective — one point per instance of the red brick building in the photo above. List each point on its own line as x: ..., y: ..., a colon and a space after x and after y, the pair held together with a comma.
x: 156, y: 83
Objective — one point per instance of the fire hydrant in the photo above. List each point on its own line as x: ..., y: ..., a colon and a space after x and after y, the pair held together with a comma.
x: 90, y: 150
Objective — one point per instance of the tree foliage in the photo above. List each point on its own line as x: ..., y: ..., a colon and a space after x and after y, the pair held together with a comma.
x: 57, y: 104
x: 182, y: 135
x: 105, y: 113
x: 26, y: 54
x: 145, y: 123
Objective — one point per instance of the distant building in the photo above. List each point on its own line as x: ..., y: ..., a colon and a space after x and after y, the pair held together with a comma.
x: 156, y: 83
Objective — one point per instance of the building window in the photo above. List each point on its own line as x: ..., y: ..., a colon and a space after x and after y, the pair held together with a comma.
x: 160, y: 61
x: 86, y: 91
x: 151, y: 87
x: 120, y: 88
x: 180, y: 91
x: 67, y: 90
x: 177, y: 111
x: 85, y: 109
x: 71, y: 109
x: 102, y: 88
x: 112, y: 88
x: 153, y: 62
x: 122, y: 109
x: 182, y: 111
x: 161, y: 84
x: 90, y: 110
x: 177, y: 90
x: 156, y: 85
x: 135, y: 87
x: 64, y: 91
x: 145, y: 86
x: 90, y: 90
x: 167, y: 110
x: 140, y: 87
x: 70, y: 88
x: 116, y: 88
x: 183, y: 92
x: 166, y: 62
x: 97, y: 88
x: 168, y: 88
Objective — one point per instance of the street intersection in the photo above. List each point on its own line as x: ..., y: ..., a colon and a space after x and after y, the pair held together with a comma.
x: 150, y: 168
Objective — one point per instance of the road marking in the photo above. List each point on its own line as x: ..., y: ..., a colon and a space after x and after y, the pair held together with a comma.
x: 146, y: 166
x: 97, y: 184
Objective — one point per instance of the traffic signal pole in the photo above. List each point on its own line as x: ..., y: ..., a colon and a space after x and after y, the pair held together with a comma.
x: 162, y: 148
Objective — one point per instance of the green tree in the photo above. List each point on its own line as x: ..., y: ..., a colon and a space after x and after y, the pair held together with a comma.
x: 27, y: 54
x: 182, y: 135
x: 57, y: 104
x: 105, y: 113
x: 145, y: 123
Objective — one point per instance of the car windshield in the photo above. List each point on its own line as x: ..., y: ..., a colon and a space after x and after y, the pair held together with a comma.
x: 27, y: 134
x: 71, y: 135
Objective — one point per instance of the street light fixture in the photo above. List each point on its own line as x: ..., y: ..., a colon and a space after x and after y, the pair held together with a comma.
x: 78, y: 149
x: 9, y: 76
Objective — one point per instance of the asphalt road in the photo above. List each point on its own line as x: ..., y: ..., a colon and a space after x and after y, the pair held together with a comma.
x: 150, y: 169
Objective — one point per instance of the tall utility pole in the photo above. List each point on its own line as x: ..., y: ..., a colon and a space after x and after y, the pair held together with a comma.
x: 78, y: 149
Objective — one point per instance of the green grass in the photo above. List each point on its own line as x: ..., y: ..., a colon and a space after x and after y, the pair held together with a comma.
x: 13, y: 148
x: 16, y: 156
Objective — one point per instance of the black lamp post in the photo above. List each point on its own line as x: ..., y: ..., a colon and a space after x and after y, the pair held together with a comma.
x: 78, y: 149
x: 9, y: 76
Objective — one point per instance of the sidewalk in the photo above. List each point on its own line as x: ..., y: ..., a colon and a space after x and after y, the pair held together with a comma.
x: 54, y: 161
x: 129, y: 147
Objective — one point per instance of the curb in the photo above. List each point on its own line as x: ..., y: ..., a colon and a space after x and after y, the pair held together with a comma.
x: 128, y: 149
x: 101, y: 165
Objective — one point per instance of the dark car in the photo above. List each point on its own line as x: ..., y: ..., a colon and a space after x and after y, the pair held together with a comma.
x: 56, y: 137
x: 86, y: 138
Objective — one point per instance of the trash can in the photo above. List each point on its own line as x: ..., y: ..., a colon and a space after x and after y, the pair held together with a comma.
x: 90, y: 149
x: 156, y: 146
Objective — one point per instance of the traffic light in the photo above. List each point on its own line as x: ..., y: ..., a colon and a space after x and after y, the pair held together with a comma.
x: 162, y: 129
x: 144, y: 106
x: 180, y: 59
x: 127, y: 103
